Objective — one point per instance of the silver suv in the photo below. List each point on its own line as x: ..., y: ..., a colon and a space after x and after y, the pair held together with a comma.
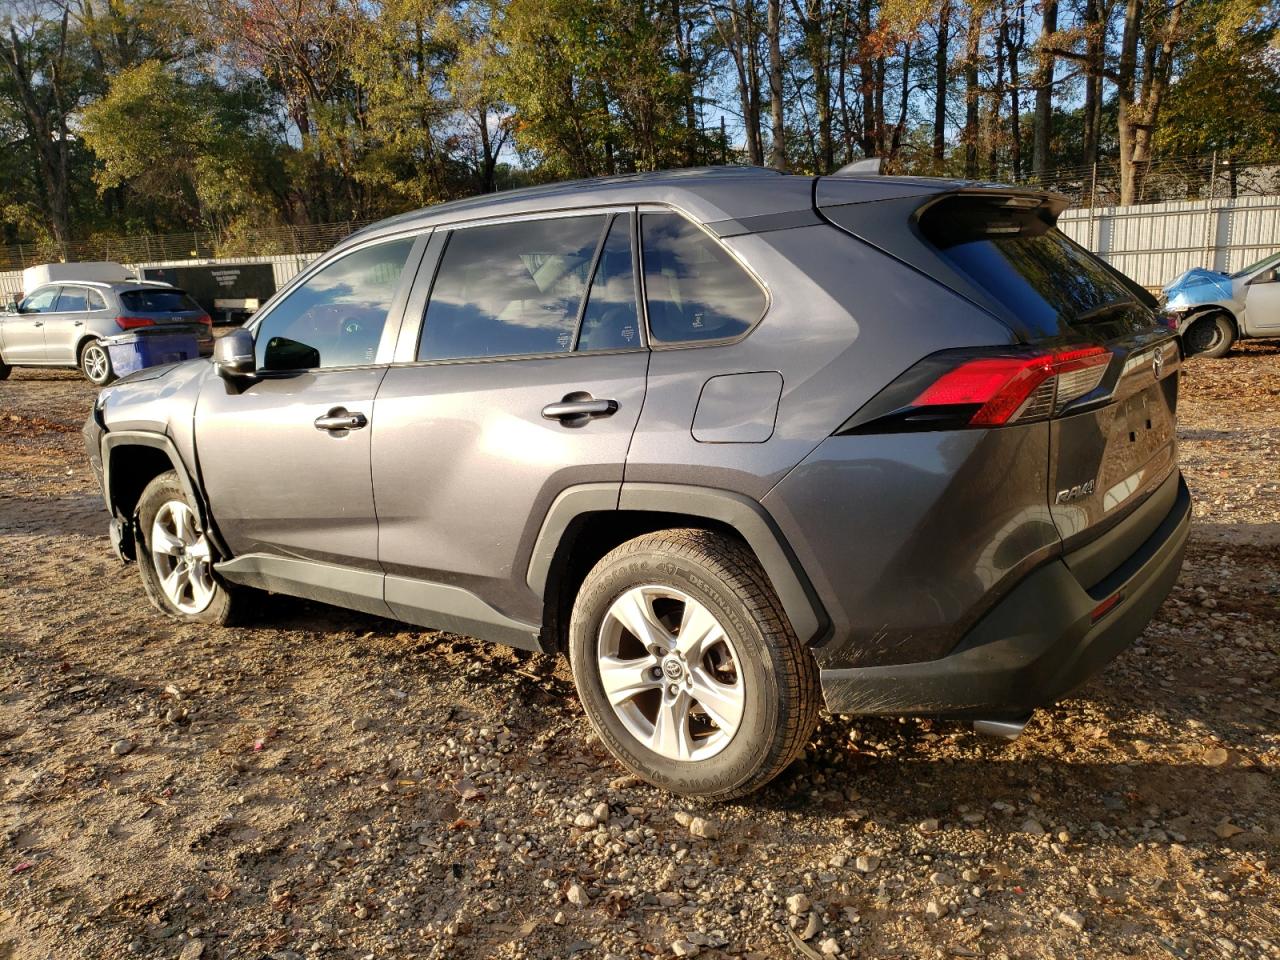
x: 62, y: 324
x: 740, y: 444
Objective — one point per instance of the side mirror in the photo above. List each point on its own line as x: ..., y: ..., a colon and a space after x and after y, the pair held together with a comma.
x: 233, y: 355
x: 11, y: 304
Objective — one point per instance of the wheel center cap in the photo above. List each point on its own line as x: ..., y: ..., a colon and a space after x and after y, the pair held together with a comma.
x: 673, y: 668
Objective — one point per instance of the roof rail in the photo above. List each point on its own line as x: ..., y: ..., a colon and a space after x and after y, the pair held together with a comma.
x: 870, y: 167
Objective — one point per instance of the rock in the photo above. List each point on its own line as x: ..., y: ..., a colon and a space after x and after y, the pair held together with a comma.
x: 797, y: 904
x: 601, y: 812
x: 120, y: 748
x: 928, y: 826
x: 669, y: 898
x: 811, y: 928
x: 1072, y: 919
x: 935, y: 910
x: 559, y: 918
x: 1217, y: 757
x: 684, y: 948
x: 577, y: 895
x: 360, y: 724
x: 940, y: 879
x: 866, y: 863
x: 1032, y: 827
x: 829, y: 947
x: 192, y: 950
x: 682, y: 818
x: 703, y: 828
x: 584, y: 820
x: 1226, y: 830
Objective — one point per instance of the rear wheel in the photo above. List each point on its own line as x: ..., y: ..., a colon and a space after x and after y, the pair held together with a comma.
x: 1210, y: 336
x: 95, y: 363
x: 5, y: 369
x: 687, y: 667
x: 176, y: 558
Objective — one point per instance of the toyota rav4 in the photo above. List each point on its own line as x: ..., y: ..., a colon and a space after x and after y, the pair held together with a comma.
x: 741, y: 444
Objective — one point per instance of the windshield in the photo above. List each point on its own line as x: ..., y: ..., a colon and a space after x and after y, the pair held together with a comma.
x: 1267, y: 261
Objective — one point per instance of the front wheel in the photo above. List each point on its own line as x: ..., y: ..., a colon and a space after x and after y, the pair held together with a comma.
x: 1210, y: 336
x: 687, y: 666
x: 95, y: 364
x: 175, y: 558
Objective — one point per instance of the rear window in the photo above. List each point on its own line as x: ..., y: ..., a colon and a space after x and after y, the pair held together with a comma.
x: 158, y: 301
x: 1055, y: 287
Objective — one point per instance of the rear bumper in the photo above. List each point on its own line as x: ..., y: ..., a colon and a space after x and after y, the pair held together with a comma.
x: 1039, y: 643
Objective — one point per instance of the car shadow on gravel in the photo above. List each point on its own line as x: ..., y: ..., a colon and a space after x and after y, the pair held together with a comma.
x: 70, y: 514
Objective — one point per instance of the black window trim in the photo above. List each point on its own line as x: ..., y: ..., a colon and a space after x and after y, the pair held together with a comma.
x: 406, y: 352
x: 659, y: 345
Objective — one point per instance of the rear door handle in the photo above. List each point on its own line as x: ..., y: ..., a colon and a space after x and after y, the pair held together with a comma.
x: 577, y: 409
x: 38, y: 323
x: 339, y: 420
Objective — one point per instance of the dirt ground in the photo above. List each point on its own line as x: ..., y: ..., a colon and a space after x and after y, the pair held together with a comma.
x: 328, y: 784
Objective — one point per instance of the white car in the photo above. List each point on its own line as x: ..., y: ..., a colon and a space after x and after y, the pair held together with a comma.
x: 1216, y: 309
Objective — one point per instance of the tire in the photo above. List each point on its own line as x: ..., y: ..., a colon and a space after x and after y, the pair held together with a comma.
x: 758, y: 666
x: 205, y: 597
x: 1210, y: 336
x: 95, y: 364
x: 5, y: 369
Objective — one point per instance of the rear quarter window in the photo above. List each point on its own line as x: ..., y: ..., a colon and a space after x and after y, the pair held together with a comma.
x: 694, y: 289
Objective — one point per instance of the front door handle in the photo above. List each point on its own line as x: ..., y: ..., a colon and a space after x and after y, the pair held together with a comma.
x: 339, y: 419
x: 38, y: 323
x: 78, y: 323
x: 577, y: 409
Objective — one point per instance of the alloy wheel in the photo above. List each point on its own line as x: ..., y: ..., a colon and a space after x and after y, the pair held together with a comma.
x: 670, y: 672
x: 180, y: 553
x: 95, y: 363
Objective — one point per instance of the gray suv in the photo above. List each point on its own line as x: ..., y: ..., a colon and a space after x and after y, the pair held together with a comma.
x: 62, y: 324
x: 741, y: 444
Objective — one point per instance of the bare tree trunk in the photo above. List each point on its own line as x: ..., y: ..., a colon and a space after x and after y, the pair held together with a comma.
x: 1015, y: 42
x: 684, y: 57
x: 1043, y: 123
x: 1095, y: 30
x: 972, y: 92
x: 1125, y: 81
x: 778, y: 132
x: 940, y: 86
x: 45, y: 118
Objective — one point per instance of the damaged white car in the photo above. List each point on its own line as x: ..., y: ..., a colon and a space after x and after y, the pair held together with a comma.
x: 1215, y: 309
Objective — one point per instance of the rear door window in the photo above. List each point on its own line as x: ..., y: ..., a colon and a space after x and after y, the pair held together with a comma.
x: 610, y: 321
x: 510, y: 289
x: 694, y: 289
x: 158, y: 301
x: 72, y: 300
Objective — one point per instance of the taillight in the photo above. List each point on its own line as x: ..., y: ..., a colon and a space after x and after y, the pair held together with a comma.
x: 130, y: 323
x: 205, y: 319
x: 954, y: 390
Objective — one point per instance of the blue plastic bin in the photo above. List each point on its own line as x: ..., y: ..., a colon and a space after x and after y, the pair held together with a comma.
x: 147, y: 348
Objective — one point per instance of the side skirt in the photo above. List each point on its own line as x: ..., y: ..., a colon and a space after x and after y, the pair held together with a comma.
x: 419, y: 602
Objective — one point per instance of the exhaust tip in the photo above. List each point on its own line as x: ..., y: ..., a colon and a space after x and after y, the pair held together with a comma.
x: 1001, y: 729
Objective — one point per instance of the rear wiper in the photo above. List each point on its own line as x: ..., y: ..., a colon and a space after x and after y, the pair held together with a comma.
x: 1105, y: 310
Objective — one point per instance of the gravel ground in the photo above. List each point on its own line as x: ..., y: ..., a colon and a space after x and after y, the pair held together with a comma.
x: 327, y: 784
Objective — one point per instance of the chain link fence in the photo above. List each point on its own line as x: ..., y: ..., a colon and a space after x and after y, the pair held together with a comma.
x: 197, y: 245
x: 1211, y: 177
